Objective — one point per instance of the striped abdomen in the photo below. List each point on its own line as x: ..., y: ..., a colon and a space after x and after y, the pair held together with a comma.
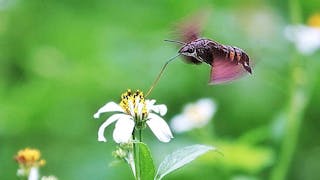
x: 231, y: 53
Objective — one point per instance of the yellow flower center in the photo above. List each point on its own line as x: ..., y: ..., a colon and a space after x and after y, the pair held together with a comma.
x: 133, y: 103
x: 29, y: 157
x: 314, y: 20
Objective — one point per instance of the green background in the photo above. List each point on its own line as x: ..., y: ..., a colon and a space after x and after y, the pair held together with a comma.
x: 62, y: 60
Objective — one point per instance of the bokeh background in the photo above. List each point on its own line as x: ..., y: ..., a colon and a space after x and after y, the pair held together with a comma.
x: 62, y: 60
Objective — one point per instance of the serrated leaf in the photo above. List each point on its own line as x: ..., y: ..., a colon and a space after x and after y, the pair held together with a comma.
x: 147, y: 169
x: 180, y: 158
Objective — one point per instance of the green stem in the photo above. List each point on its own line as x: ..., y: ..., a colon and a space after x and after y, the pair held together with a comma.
x: 295, y: 11
x: 137, y: 136
x: 296, y: 107
x: 299, y: 96
x: 140, y: 135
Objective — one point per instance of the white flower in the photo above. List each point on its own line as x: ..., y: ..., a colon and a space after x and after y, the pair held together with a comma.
x: 134, y: 111
x: 194, y: 115
x: 29, y: 161
x: 305, y: 38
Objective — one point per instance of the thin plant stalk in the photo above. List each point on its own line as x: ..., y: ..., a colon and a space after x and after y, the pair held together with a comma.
x: 298, y: 99
x: 137, y: 136
x: 295, y: 111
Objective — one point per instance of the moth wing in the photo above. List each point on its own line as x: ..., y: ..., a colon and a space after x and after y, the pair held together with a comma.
x: 223, y: 71
x: 189, y: 30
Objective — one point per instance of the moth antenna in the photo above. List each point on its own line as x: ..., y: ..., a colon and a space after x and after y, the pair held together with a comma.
x: 174, y: 41
x: 155, y: 82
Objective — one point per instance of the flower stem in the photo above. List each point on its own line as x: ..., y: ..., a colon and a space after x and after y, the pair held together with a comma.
x: 140, y: 135
x: 299, y: 97
x: 297, y: 104
x: 295, y: 11
x: 137, y: 136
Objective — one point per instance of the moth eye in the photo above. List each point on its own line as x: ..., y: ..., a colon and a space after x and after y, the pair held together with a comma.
x: 191, y: 50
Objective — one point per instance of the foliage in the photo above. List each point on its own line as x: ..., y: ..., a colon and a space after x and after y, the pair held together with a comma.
x: 60, y: 60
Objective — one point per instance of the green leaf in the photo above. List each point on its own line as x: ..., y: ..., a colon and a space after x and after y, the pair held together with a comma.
x: 147, y: 169
x: 180, y: 158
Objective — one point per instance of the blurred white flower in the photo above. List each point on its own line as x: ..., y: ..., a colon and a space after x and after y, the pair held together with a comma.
x: 305, y: 37
x: 49, y: 178
x: 134, y: 111
x: 194, y: 115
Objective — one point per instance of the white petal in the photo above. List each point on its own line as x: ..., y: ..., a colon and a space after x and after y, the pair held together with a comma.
x: 110, y: 120
x: 20, y: 172
x: 123, y: 130
x: 181, y: 123
x: 130, y: 161
x: 161, y: 108
x: 109, y: 107
x: 206, y: 109
x: 150, y: 102
x: 306, y: 39
x: 159, y: 127
x: 139, y: 109
x: 131, y: 107
x: 34, y: 174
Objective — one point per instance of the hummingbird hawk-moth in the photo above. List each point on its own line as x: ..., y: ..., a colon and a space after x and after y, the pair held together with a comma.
x: 227, y: 62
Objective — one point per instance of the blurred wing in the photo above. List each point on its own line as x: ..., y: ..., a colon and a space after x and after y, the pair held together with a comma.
x: 223, y: 71
x: 189, y: 30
